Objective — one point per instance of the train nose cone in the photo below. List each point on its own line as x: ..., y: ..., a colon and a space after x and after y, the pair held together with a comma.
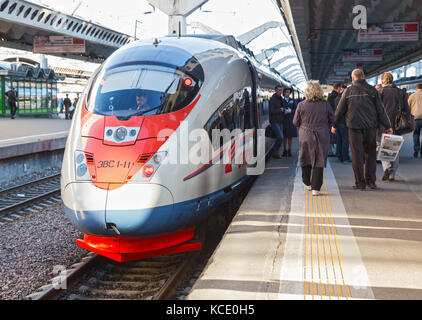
x: 134, y: 209
x: 139, y: 209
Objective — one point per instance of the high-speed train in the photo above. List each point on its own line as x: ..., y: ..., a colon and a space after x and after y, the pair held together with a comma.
x: 116, y: 185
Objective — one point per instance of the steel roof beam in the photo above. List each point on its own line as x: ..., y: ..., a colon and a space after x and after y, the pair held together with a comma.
x: 278, y: 62
x: 54, y: 22
x: 264, y: 54
x: 256, y: 32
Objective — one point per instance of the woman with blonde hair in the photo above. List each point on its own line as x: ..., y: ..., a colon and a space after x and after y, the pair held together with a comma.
x: 314, y: 117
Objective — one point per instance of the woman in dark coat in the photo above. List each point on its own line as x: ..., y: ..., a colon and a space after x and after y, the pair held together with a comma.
x: 313, y: 117
x: 289, y: 130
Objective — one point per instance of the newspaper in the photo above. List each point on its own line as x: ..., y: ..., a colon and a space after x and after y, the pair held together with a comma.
x: 390, y: 147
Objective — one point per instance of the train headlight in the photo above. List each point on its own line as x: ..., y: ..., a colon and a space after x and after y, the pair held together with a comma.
x: 81, y: 167
x: 120, y: 134
x: 81, y: 170
x: 159, y: 157
x: 80, y: 158
x: 148, y: 170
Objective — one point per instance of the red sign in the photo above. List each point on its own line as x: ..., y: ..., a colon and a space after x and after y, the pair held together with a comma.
x: 58, y: 44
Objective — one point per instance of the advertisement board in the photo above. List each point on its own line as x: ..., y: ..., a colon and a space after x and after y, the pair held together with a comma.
x: 58, y: 44
x: 389, y: 32
x: 362, y: 55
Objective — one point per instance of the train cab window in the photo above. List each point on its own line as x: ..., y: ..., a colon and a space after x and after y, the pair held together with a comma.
x: 141, y: 90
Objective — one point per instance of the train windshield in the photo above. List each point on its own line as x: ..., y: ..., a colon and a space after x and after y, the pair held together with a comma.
x: 141, y: 90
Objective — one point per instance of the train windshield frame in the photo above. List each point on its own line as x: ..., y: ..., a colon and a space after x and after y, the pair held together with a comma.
x: 144, y: 89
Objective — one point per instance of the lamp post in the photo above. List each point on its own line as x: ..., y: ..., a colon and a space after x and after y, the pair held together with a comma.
x: 136, y: 28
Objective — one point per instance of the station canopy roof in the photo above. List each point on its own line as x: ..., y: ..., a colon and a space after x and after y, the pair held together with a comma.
x: 322, y: 29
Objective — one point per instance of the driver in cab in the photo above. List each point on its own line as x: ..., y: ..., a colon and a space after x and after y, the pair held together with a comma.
x: 141, y: 103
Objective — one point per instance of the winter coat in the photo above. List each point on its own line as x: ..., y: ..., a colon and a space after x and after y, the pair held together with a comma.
x: 393, y: 99
x: 332, y: 99
x: 415, y: 102
x: 276, y: 115
x: 314, y: 120
x: 361, y: 107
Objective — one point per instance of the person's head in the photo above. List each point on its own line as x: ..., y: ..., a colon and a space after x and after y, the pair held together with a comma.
x: 141, y: 100
x: 419, y: 86
x: 337, y: 87
x: 279, y: 90
x: 386, y: 79
x: 357, y: 74
x: 13, y: 89
x: 378, y: 87
x: 67, y: 96
x: 287, y: 92
x: 314, y: 92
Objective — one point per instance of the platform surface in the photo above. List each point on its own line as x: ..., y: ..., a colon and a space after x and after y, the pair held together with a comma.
x: 23, y: 136
x: 11, y: 129
x: 346, y: 244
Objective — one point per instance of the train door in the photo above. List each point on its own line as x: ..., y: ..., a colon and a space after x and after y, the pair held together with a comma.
x: 255, y: 116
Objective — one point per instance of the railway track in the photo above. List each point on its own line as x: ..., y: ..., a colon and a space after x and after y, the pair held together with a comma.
x: 26, y: 194
x: 98, y: 278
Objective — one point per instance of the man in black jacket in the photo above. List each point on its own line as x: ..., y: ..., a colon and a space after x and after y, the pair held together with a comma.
x: 11, y: 98
x: 276, y: 119
x: 332, y: 100
x: 67, y: 104
x: 363, y: 111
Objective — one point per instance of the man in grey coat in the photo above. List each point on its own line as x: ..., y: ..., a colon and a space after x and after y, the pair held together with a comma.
x: 363, y: 111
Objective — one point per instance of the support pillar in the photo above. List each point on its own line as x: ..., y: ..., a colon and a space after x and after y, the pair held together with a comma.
x: 177, y: 11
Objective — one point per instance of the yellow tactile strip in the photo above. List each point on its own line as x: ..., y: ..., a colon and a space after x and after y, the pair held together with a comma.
x: 323, y: 261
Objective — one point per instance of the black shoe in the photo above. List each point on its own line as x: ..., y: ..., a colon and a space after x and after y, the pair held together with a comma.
x: 372, y: 186
x: 285, y: 153
x: 387, y: 174
x: 361, y: 188
x: 289, y: 153
x: 415, y: 154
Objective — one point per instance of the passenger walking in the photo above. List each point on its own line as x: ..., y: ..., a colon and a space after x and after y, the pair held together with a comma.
x: 276, y: 119
x: 361, y: 107
x: 11, y: 98
x: 394, y: 100
x: 342, y: 134
x: 415, y: 104
x: 331, y: 99
x: 61, y: 105
x: 67, y: 103
x: 313, y: 116
x: 289, y: 130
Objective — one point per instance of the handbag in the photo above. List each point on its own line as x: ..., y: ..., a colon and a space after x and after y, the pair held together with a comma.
x: 404, y: 122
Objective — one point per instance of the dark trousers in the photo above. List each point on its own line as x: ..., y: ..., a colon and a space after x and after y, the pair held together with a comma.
x: 342, y: 142
x: 317, y: 177
x: 278, y: 131
x: 66, y: 111
x: 417, y: 135
x: 363, y: 144
x: 13, y: 109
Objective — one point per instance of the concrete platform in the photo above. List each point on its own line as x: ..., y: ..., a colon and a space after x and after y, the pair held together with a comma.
x: 346, y: 244
x: 23, y: 136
